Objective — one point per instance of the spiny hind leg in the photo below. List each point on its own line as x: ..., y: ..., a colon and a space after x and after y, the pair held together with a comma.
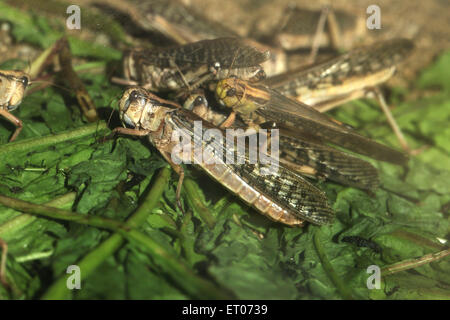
x: 393, y: 123
x: 180, y: 171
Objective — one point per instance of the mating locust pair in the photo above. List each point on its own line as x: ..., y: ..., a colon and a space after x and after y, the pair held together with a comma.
x: 233, y: 70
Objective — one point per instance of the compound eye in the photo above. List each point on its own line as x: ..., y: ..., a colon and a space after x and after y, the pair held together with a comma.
x: 231, y: 92
x: 261, y: 75
x: 134, y: 95
x: 200, y: 101
x: 24, y: 81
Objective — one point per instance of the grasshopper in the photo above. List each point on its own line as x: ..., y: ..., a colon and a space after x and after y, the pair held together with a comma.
x: 176, y: 21
x: 303, y: 28
x: 283, y: 196
x: 300, y: 154
x: 258, y: 104
x: 350, y: 76
x: 14, y: 83
x: 183, y: 25
x: 12, y: 90
x: 193, y: 64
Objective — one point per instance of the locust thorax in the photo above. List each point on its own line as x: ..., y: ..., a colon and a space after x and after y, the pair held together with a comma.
x: 12, y: 88
x: 139, y: 109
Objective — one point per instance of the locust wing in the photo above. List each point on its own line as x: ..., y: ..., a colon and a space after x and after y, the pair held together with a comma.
x: 282, y: 195
x: 227, y: 52
x: 306, y: 120
x: 324, y: 162
x: 360, y: 62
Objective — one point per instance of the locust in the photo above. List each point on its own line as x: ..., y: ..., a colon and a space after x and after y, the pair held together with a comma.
x: 193, y: 64
x: 347, y: 77
x: 12, y: 89
x: 306, y: 157
x: 182, y: 25
x: 259, y: 104
x: 283, y: 196
x: 176, y: 21
x: 302, y: 28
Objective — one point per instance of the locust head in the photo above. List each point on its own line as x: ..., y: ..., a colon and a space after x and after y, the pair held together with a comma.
x: 12, y: 88
x: 231, y: 92
x: 197, y: 103
x: 133, y: 106
x: 139, y: 109
x: 240, y: 95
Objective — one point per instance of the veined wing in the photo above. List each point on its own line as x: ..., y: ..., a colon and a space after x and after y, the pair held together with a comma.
x: 301, y: 154
x: 286, y: 112
x: 360, y: 63
x: 259, y: 102
x: 322, y: 161
x: 228, y: 52
x: 283, y: 195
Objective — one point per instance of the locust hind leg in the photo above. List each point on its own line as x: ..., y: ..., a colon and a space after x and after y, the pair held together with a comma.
x: 128, y: 132
x: 384, y: 107
x: 318, y: 34
x: 327, y: 19
x: 14, y: 120
x: 391, y: 120
x: 124, y: 82
x: 180, y: 171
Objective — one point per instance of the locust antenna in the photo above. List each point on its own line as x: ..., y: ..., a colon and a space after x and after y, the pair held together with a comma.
x: 182, y: 76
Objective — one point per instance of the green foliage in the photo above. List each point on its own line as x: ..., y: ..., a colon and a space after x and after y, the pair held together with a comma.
x: 243, y: 254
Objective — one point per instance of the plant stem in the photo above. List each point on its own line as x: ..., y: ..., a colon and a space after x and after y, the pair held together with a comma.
x: 23, y: 220
x: 29, y: 144
x: 196, y: 201
x: 180, y: 274
x: 414, y: 263
x: 55, y: 213
x: 329, y: 270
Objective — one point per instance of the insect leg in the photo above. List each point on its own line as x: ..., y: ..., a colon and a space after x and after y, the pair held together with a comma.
x: 186, y: 83
x: 333, y: 29
x: 14, y: 120
x: 131, y: 132
x: 319, y: 32
x: 390, y: 118
x: 180, y: 171
x: 124, y: 82
x: 228, y: 121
